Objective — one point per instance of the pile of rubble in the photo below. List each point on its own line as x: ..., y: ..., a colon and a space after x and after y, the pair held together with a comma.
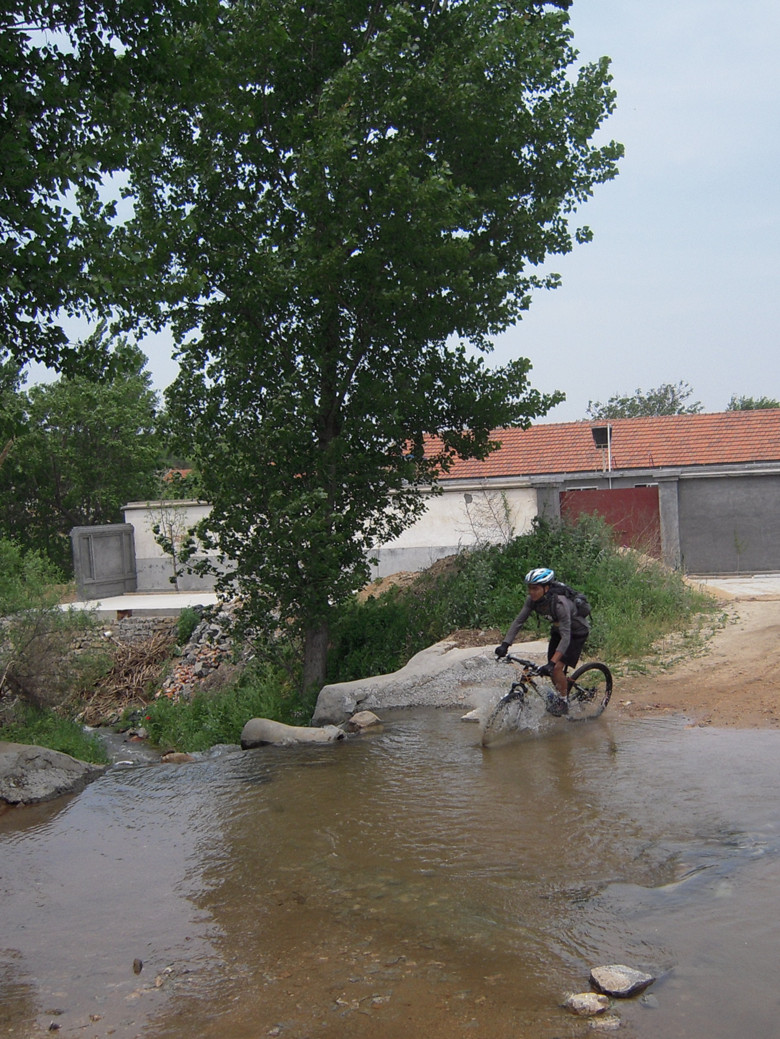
x: 210, y: 647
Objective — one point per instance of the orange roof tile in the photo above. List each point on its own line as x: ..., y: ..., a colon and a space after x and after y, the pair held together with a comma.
x: 726, y: 438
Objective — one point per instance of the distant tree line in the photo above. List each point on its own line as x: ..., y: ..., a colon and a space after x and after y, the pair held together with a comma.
x: 74, y: 452
x: 667, y: 399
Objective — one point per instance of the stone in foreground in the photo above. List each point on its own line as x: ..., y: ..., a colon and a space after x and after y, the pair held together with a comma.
x: 586, y: 1004
x: 605, y: 1023
x: 620, y: 981
x: 29, y: 775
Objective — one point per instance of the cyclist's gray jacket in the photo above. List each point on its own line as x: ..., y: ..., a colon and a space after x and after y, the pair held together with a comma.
x: 562, y: 614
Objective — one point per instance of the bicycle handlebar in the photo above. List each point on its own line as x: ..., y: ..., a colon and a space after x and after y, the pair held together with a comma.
x: 532, y: 667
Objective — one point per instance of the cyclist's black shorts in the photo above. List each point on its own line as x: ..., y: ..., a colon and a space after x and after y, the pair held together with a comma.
x: 572, y: 654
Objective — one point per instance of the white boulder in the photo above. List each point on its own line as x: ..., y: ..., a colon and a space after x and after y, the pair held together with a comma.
x: 259, y: 732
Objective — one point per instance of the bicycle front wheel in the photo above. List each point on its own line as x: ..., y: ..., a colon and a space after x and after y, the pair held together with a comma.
x: 590, y: 688
x: 504, y: 718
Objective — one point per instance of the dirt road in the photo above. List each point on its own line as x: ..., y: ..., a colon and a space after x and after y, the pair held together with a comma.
x: 730, y: 679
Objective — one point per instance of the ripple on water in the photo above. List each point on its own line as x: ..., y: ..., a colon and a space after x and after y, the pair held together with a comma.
x: 409, y: 866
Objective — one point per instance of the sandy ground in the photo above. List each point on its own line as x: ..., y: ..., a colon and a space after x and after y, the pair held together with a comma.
x: 730, y: 678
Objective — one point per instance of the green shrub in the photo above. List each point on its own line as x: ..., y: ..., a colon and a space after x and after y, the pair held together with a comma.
x: 189, y: 619
x: 635, y: 599
x: 211, y: 718
x: 37, y: 634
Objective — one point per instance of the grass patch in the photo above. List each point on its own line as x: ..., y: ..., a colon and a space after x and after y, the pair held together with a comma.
x: 43, y: 727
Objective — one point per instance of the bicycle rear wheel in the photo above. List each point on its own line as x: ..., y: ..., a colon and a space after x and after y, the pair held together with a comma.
x: 590, y: 688
x: 504, y: 718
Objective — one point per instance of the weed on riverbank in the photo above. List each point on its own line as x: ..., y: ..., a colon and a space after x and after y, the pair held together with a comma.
x: 636, y: 602
x: 635, y: 599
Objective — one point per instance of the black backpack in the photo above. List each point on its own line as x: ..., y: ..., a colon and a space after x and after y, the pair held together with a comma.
x: 581, y: 605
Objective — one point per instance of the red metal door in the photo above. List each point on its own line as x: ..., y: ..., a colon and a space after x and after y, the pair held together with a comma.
x: 631, y: 511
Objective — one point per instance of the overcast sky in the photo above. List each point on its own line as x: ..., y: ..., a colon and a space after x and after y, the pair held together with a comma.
x: 681, y: 281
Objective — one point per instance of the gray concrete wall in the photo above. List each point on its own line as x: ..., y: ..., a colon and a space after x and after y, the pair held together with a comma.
x: 730, y: 524
x: 103, y: 560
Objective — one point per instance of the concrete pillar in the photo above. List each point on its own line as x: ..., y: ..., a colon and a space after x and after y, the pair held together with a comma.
x: 669, y: 514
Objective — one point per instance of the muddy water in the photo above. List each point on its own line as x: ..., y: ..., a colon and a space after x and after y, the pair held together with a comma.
x: 407, y: 883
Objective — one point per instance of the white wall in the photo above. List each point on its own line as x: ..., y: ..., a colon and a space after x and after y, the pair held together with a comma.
x: 462, y: 516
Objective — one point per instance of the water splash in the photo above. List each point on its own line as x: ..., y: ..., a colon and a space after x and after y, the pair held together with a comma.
x: 502, y: 722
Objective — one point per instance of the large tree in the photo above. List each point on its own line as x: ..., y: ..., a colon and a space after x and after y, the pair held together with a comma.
x: 667, y: 399
x: 346, y: 199
x: 81, y: 450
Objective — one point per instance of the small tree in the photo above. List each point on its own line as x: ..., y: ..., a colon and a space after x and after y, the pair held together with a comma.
x: 667, y: 399
x: 489, y: 517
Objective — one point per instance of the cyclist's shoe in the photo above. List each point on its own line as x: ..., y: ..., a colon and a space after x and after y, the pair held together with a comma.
x: 556, y: 705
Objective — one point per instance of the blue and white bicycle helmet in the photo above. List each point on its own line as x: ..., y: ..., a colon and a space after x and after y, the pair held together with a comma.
x: 540, y: 575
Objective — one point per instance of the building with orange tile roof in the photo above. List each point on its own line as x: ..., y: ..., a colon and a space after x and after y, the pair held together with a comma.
x: 701, y: 492
x: 698, y: 491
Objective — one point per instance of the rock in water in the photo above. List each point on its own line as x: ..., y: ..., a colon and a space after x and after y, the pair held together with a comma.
x: 361, y: 721
x: 618, y: 980
x: 260, y: 731
x: 29, y: 775
x: 586, y: 1004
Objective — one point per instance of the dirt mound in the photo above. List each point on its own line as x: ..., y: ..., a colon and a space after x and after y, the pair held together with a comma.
x: 405, y: 578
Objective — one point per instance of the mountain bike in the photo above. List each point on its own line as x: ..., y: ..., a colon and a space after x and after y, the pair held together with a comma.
x: 589, y: 690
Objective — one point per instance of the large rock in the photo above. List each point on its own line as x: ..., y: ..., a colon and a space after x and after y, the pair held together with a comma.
x: 616, y: 979
x: 259, y: 732
x: 29, y: 775
x: 443, y: 675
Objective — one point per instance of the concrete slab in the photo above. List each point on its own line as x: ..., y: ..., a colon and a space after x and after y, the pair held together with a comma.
x: 746, y: 586
x: 144, y: 604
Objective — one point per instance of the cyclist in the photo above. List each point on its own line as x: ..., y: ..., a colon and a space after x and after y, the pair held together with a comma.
x: 567, y: 635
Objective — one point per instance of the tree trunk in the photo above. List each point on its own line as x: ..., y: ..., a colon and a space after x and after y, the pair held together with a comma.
x: 315, y: 653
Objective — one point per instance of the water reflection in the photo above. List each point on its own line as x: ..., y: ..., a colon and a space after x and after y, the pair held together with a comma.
x: 408, y: 880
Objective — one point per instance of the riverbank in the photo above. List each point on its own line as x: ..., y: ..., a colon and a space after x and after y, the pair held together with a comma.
x: 730, y: 678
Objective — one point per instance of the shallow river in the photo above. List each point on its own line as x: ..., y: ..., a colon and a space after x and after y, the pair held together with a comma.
x: 402, y: 884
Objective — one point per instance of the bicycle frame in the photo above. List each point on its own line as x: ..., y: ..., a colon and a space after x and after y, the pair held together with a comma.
x: 526, y: 679
x: 595, y: 695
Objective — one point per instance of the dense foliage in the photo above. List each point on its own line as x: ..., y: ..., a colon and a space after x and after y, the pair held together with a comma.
x: 68, y: 72
x: 752, y: 403
x: 667, y: 399
x: 79, y: 451
x: 344, y: 202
